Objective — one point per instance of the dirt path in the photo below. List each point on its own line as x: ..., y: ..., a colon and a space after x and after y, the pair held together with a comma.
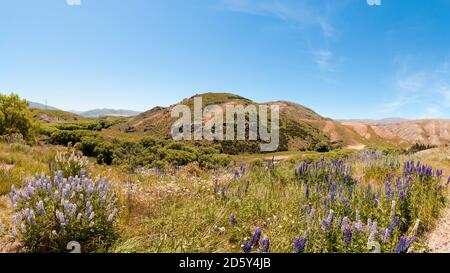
x: 439, y: 239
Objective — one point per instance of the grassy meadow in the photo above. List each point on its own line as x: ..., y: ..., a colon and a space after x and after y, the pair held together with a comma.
x: 188, y: 209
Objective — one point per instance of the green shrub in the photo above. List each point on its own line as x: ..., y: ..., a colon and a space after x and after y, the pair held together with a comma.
x: 322, y: 147
x: 177, y: 157
x: 104, y: 152
x: 209, y: 161
x: 66, y: 137
x: 15, y: 117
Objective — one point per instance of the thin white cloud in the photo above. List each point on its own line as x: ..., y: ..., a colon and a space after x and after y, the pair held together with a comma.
x: 323, y: 58
x: 73, y: 2
x: 300, y: 13
x: 412, y: 83
x: 432, y: 111
x: 428, y: 90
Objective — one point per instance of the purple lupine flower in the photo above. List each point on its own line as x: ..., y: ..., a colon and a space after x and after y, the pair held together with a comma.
x: 402, y: 196
x: 233, y: 219
x: 369, y: 192
x: 308, y: 208
x: 388, y: 231
x: 111, y: 217
x: 23, y: 228
x: 236, y: 175
x: 14, y: 232
x: 334, y: 186
x: 90, y: 189
x: 247, y: 247
x: 404, y: 244
x: 223, y: 191
x: 265, y: 243
x: 60, y: 217
x: 385, y: 234
x: 103, y: 200
x: 358, y: 225
x: 346, y: 204
x: 40, y: 207
x: 393, y: 208
x: 307, y: 191
x: 373, y: 234
x: 347, y: 236
x: 299, y: 245
x: 256, y: 237
x: 448, y: 181
x: 327, y: 223
x: 56, y: 195
x: 394, y: 224
x: 345, y: 223
x: 388, y: 187
x: 216, y: 186
x: 88, y: 206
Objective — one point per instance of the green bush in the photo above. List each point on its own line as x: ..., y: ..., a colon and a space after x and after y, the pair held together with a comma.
x: 177, y: 157
x: 66, y: 137
x: 322, y: 147
x: 210, y: 161
x: 90, y: 125
x: 104, y: 153
x: 15, y: 117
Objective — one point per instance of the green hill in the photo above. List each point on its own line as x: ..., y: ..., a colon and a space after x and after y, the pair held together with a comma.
x: 300, y: 127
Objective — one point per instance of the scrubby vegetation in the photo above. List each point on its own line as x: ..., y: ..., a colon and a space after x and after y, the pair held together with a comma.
x: 420, y: 147
x: 15, y: 118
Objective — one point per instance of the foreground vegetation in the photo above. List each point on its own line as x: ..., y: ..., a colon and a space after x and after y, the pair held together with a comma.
x: 81, y: 180
x: 194, y: 210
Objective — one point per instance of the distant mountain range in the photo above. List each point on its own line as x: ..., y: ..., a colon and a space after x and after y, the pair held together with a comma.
x: 94, y: 113
x: 375, y: 121
x: 36, y: 105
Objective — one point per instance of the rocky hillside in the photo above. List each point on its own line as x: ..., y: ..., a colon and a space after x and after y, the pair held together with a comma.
x: 427, y: 131
x: 49, y: 116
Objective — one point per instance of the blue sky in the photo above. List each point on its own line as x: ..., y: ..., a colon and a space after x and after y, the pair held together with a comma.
x: 342, y: 58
